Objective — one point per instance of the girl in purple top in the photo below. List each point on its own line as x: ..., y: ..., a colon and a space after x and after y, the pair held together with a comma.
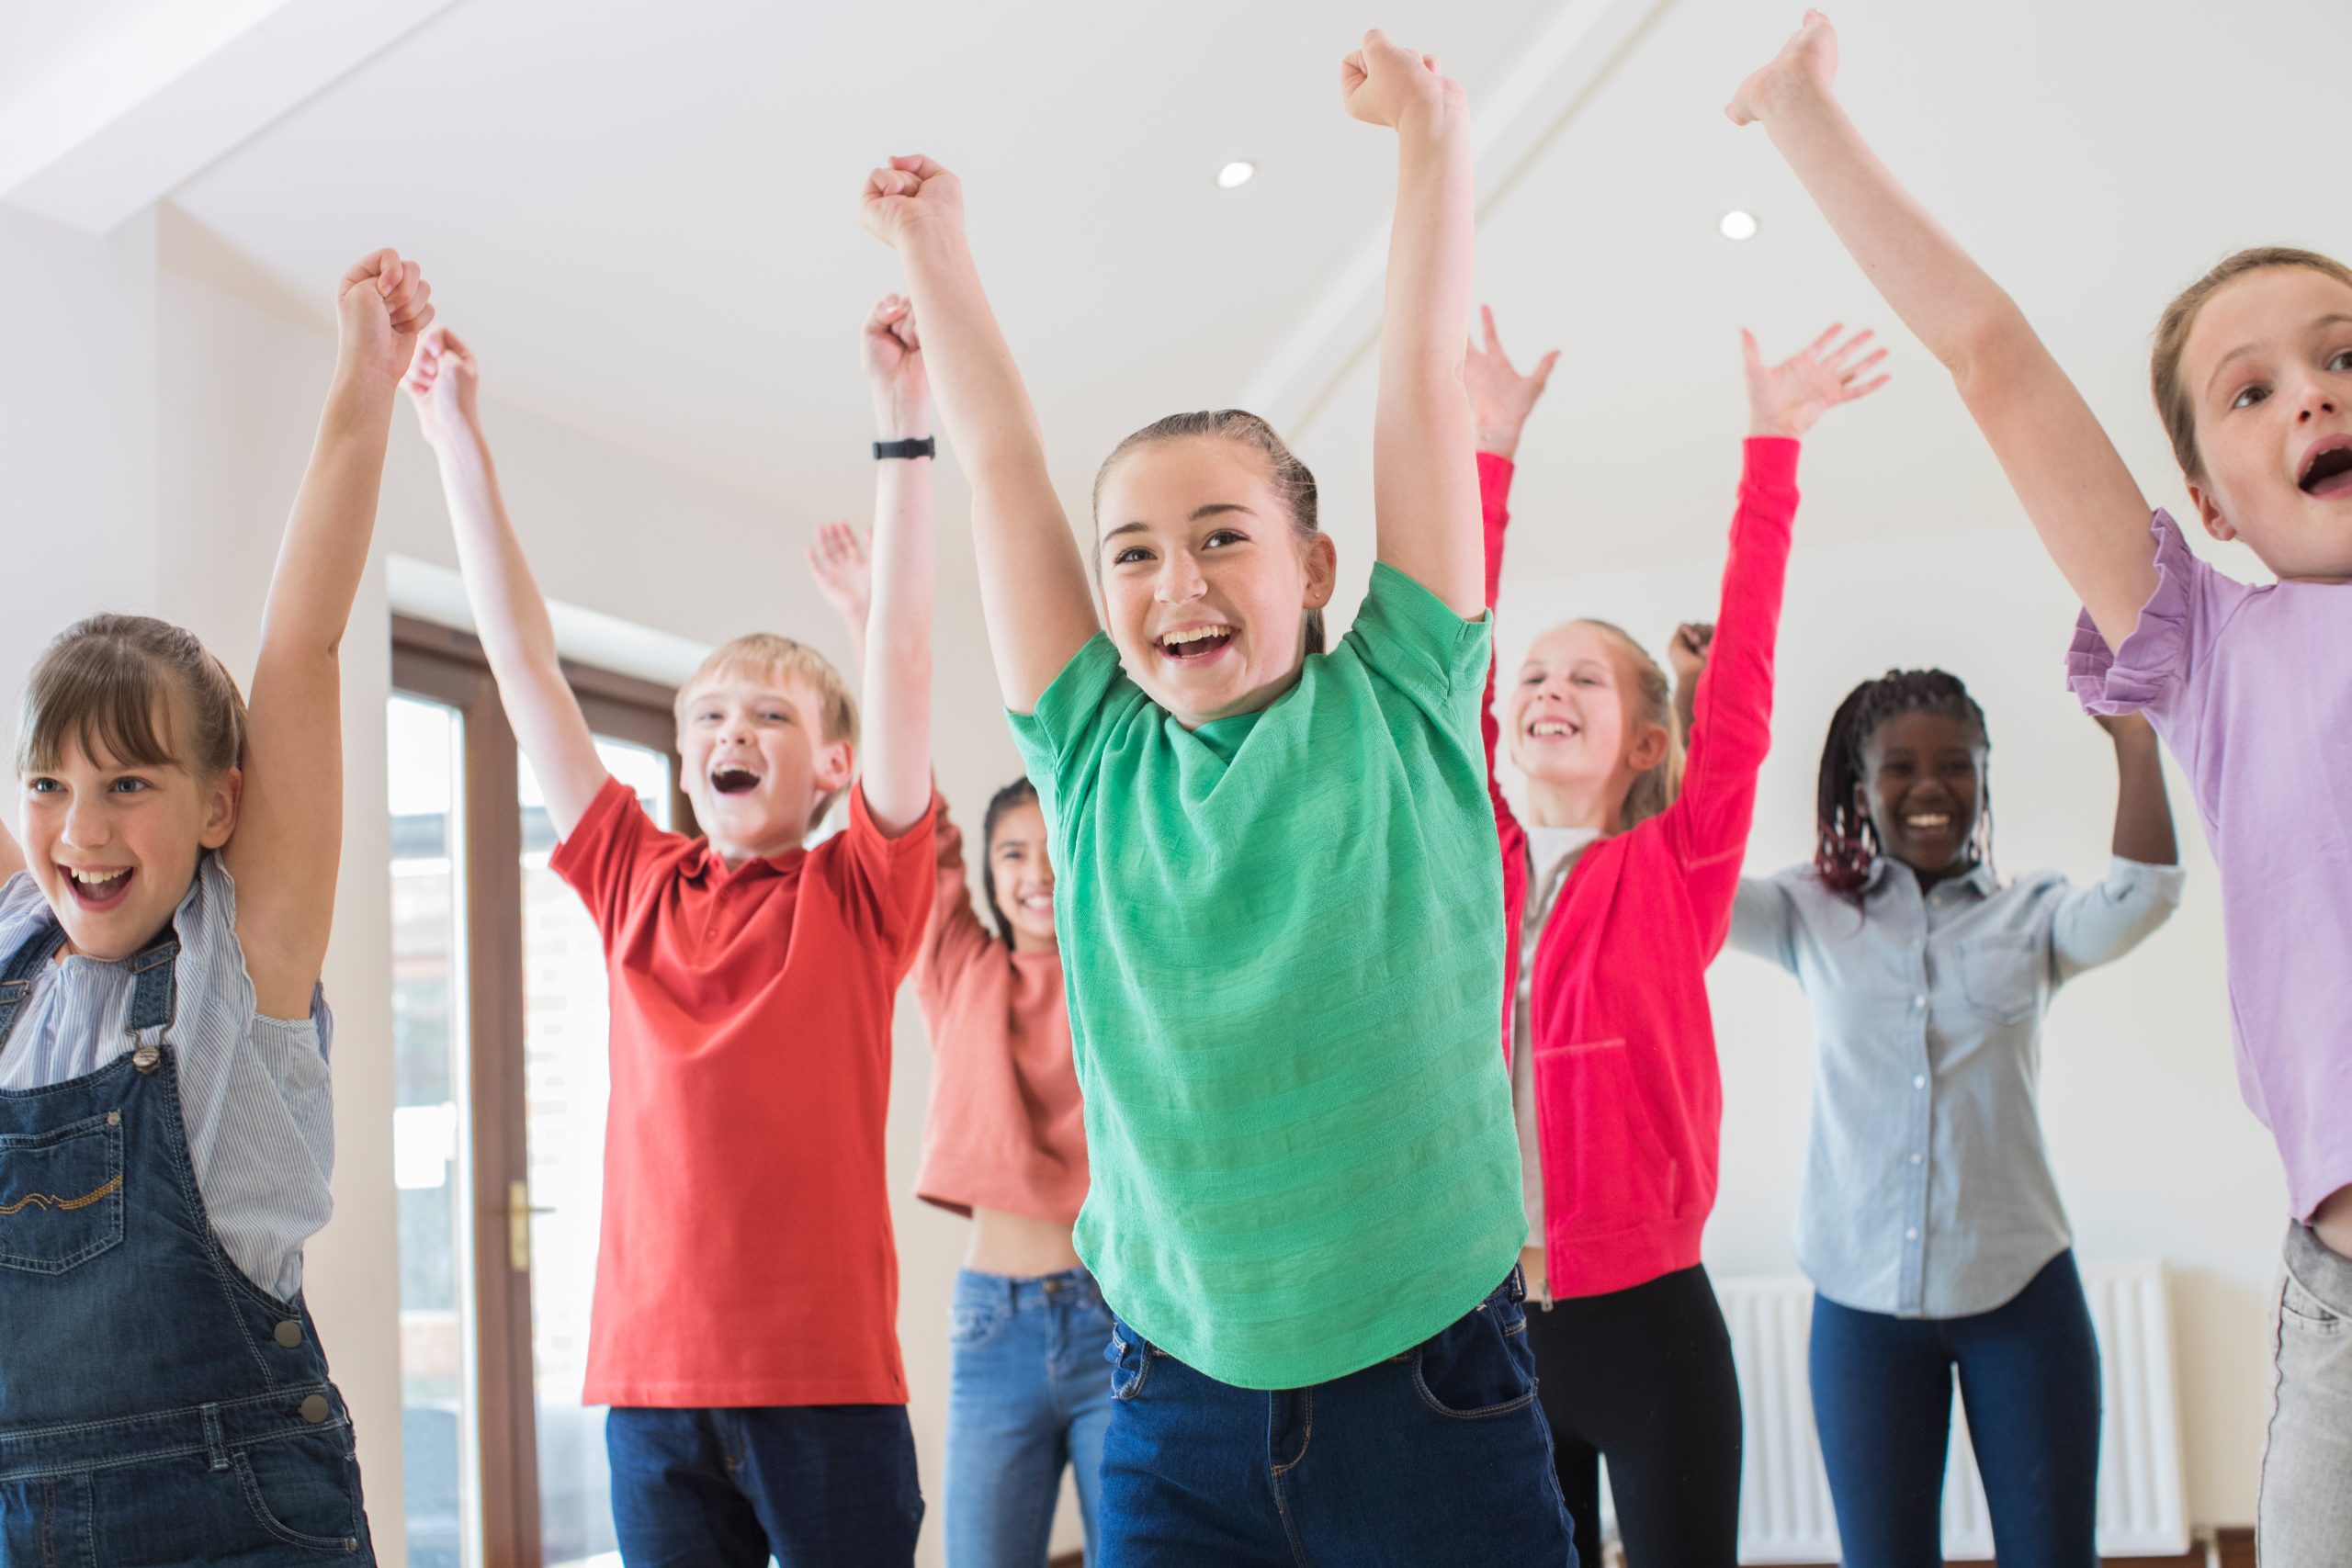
x: 2250, y: 686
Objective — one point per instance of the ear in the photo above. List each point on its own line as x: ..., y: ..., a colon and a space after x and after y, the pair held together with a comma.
x: 223, y: 795
x: 836, y: 764
x: 2209, y: 513
x: 1649, y: 747
x: 1322, y: 571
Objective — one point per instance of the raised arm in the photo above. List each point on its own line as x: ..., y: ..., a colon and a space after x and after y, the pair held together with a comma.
x: 2100, y: 922
x: 2075, y: 487
x: 2143, y: 815
x: 844, y: 578
x: 1425, y: 501
x: 288, y: 841
x: 12, y: 858
x: 509, y: 616
x: 1500, y: 400
x: 1032, y: 580
x: 1687, y: 654
x: 897, y: 652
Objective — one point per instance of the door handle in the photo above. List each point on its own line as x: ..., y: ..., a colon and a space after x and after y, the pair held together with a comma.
x: 518, y: 1225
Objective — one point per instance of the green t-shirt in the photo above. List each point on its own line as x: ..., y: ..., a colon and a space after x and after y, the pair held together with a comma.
x: 1283, y: 939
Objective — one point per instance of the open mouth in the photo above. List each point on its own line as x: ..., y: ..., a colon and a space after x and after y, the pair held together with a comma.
x: 733, y: 781
x: 1193, y: 642
x: 1927, y: 822
x: 1551, y: 729
x: 97, y: 887
x: 2327, y: 472
x: 1041, y: 904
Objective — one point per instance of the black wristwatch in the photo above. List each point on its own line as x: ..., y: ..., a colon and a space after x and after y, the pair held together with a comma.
x: 926, y: 447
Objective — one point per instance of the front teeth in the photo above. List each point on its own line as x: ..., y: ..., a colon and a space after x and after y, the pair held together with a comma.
x: 1927, y: 821
x: 1551, y: 727
x: 1194, y: 634
x: 96, y: 878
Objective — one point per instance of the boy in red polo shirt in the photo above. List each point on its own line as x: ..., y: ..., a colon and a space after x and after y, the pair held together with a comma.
x: 747, y: 1279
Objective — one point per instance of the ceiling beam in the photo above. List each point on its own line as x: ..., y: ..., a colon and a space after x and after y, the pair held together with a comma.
x: 1554, y: 76
x: 107, y: 135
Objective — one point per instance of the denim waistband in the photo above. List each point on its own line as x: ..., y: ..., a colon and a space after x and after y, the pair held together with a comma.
x: 214, y: 1429
x: 1018, y: 1293
x: 2325, y: 1273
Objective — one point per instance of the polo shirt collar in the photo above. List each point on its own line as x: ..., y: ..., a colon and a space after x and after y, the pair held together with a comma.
x: 706, y: 865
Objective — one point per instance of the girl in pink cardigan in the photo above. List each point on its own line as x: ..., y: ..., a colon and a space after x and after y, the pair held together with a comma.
x: 1617, y: 893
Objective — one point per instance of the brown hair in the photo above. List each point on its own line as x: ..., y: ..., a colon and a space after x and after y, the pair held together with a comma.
x: 2174, y: 405
x: 144, y: 691
x: 1653, y: 789
x: 836, y: 703
x: 1292, y: 480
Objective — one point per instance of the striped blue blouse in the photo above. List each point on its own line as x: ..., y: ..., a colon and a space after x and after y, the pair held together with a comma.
x: 254, y: 1090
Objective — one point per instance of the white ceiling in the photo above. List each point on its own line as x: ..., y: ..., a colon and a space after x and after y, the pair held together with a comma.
x: 644, y: 217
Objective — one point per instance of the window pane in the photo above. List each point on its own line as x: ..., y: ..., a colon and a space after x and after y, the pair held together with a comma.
x: 567, y: 1078
x: 428, y: 1046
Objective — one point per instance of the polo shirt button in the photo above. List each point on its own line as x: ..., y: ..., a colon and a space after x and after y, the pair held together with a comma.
x: 1919, y: 1082
x: 314, y: 1409
x: 287, y: 1333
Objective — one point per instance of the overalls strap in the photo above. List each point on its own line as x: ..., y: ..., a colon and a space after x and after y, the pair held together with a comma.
x: 16, y: 979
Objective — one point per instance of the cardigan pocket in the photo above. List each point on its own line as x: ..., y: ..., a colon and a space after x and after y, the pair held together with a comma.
x: 1608, y: 1164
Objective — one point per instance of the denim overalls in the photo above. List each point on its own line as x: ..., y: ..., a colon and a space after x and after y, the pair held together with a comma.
x: 155, y: 1406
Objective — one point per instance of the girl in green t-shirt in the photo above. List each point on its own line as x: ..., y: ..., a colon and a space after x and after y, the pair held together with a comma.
x: 1280, y: 906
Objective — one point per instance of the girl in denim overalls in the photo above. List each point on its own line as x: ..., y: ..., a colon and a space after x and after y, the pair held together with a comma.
x: 165, y: 1126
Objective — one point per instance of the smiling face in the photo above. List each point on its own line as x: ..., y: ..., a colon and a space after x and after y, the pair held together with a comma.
x: 1573, y: 716
x: 113, y: 845
x: 1021, y: 876
x: 2265, y: 370
x: 1205, y: 582
x: 758, y: 766
x: 1923, y: 778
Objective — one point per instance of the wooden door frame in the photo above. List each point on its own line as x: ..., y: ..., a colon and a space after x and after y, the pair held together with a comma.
x: 447, y: 666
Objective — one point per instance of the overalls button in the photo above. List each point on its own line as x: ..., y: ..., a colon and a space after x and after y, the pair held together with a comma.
x: 288, y: 1333
x: 146, y: 1058
x: 114, y: 1118
x: 314, y: 1409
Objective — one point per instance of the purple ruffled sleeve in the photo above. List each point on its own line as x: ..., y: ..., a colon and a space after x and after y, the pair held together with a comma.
x: 2156, y: 657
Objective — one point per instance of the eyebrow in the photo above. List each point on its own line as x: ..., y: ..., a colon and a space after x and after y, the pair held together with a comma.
x: 2333, y: 319
x: 1214, y: 509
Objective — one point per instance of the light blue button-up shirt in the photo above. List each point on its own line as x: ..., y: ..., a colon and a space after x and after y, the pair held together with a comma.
x: 1928, y: 1192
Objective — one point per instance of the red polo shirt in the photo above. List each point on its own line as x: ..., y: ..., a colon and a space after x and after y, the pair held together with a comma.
x: 747, y: 1257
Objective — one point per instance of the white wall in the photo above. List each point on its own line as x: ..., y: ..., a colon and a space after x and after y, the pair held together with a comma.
x: 2155, y: 1155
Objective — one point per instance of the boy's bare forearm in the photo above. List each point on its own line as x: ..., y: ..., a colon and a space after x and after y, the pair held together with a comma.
x: 1424, y: 473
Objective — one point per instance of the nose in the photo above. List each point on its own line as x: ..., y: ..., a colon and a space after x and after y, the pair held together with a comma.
x: 1179, y: 578
x: 86, y: 825
x: 2317, y: 402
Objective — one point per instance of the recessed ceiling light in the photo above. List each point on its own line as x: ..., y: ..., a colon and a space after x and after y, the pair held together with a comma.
x: 1738, y: 224
x: 1237, y: 173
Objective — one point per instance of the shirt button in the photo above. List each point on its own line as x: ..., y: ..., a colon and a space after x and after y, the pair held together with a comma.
x: 1919, y: 1082
x: 287, y: 1333
x: 1911, y: 1235
x: 1917, y: 1002
x: 1917, y: 1160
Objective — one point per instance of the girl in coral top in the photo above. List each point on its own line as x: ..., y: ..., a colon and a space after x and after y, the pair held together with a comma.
x: 1004, y: 1144
x: 1617, y: 892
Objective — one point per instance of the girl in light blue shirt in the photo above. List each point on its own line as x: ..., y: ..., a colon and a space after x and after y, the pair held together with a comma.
x: 1929, y: 1222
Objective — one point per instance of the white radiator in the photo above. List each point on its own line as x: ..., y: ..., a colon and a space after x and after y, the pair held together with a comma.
x: 1784, y: 1511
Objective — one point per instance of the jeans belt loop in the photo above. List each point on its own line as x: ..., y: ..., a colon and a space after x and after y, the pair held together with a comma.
x: 216, y: 1443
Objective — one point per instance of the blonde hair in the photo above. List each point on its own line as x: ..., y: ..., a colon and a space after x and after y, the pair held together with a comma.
x: 836, y: 703
x: 1650, y: 702
x: 2174, y: 405
x: 143, y: 692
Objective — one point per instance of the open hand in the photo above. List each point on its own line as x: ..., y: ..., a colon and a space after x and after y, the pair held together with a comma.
x: 1382, y: 83
x: 1500, y: 396
x: 1808, y: 64
x: 906, y: 194
x: 1785, y: 399
x: 443, y: 384
x: 843, y: 576
x: 381, y: 306
x: 893, y: 353
x: 1693, y: 640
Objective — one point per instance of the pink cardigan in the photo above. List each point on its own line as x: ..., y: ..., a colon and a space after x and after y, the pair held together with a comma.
x: 1629, y: 1100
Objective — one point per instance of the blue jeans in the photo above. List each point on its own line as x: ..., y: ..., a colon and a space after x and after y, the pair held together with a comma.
x: 1882, y: 1400
x: 1027, y: 1397
x: 813, y: 1485
x: 1438, y: 1454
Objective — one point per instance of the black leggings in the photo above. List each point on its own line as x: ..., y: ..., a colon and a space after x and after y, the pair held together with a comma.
x: 1645, y: 1377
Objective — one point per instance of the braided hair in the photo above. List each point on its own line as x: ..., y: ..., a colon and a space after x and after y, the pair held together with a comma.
x: 1020, y: 792
x: 1845, y: 843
